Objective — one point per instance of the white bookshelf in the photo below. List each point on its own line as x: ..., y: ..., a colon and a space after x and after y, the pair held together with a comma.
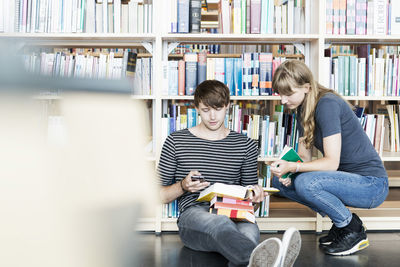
x: 313, y: 44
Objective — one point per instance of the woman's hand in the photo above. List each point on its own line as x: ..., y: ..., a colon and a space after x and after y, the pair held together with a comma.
x: 193, y: 186
x: 286, y: 181
x: 281, y: 167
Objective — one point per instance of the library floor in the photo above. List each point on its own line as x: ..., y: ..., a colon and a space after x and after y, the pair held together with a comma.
x: 168, y: 251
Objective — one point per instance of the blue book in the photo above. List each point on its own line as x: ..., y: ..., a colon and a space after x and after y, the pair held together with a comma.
x: 353, y: 76
x: 183, y: 16
x: 266, y: 118
x: 191, y: 117
x: 190, y: 73
x: 237, y: 76
x: 173, y: 77
x: 229, y: 75
x: 347, y: 75
x: 172, y: 119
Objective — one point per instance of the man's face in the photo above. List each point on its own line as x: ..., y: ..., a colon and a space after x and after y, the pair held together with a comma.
x: 212, y: 118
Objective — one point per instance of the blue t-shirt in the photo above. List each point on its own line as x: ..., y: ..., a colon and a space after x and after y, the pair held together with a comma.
x: 333, y: 115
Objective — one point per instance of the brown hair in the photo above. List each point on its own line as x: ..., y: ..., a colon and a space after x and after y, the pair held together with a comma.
x: 295, y: 74
x: 212, y: 93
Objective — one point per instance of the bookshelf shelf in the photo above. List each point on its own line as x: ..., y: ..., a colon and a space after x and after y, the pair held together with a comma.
x: 240, y: 38
x: 391, y: 156
x: 373, y: 98
x: 143, y: 97
x: 353, y: 39
x: 79, y: 39
x: 233, y: 98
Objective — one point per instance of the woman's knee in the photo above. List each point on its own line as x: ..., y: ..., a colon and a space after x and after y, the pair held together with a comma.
x: 307, y: 183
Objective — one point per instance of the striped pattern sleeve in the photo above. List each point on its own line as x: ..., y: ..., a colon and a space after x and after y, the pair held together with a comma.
x: 167, y: 165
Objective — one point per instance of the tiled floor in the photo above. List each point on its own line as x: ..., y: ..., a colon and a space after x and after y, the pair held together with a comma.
x: 167, y: 250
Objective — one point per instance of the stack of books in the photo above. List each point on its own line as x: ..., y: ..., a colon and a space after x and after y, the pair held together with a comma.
x: 231, y: 200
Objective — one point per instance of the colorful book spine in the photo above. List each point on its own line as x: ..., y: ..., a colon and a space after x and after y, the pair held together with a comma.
x: 266, y: 73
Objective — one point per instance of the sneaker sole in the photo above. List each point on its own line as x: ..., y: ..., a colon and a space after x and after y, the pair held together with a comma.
x: 360, y: 246
x: 325, y: 243
x: 267, y: 253
x: 291, y: 244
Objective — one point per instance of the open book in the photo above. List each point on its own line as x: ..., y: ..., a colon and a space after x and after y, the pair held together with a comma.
x: 234, y: 191
x: 289, y: 154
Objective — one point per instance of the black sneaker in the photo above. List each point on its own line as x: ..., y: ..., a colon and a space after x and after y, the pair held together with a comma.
x: 332, y: 235
x: 348, y: 242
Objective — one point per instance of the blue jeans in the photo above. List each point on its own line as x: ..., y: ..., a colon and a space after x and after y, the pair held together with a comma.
x: 329, y: 192
x: 203, y: 231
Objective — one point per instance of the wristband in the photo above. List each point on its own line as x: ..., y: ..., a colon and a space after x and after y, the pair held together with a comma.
x: 183, y: 189
x: 297, y: 167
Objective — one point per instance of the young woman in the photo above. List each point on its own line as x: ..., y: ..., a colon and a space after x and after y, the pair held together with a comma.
x: 350, y: 173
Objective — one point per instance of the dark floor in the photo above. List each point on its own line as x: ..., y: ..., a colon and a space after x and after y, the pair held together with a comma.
x: 168, y: 250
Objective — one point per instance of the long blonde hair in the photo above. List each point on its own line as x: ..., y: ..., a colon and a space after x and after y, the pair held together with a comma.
x: 295, y: 74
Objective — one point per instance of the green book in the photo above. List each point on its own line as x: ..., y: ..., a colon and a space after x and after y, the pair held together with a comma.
x: 289, y: 154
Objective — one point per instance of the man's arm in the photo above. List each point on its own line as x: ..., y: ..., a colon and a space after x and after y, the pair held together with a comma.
x: 171, y: 192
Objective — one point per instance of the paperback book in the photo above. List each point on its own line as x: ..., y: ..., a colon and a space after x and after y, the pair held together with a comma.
x: 289, y: 154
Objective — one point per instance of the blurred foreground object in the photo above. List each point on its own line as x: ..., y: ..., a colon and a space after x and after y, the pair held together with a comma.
x: 72, y: 201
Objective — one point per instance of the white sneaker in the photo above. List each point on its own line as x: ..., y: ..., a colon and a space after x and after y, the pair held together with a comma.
x: 291, y: 244
x: 267, y: 254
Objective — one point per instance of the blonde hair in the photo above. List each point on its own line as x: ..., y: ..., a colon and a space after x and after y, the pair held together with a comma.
x: 295, y: 74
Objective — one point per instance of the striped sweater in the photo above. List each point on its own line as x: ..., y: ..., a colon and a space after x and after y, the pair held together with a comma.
x: 232, y: 160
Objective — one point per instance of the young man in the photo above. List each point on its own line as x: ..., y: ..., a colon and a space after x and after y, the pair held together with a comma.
x: 220, y: 155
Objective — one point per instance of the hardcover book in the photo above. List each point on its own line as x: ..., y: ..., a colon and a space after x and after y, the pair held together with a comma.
x: 237, y: 215
x: 226, y: 190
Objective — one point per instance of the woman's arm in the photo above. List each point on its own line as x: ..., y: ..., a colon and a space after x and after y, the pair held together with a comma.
x: 330, y: 162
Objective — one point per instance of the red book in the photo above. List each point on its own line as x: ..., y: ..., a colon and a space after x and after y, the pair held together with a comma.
x: 221, y: 205
x: 181, y: 77
x: 230, y: 200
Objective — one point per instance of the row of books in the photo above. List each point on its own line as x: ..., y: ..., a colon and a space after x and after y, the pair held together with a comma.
x: 107, y: 64
x: 249, y: 75
x: 362, y: 17
x: 367, y: 73
x: 271, y: 132
x: 262, y: 16
x: 394, y: 122
x: 184, y: 16
x: 281, y: 49
x: 77, y: 16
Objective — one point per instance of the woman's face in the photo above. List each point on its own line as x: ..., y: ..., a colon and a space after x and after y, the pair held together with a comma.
x: 296, y: 99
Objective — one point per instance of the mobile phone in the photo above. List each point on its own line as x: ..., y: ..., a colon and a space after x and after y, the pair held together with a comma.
x: 198, y: 178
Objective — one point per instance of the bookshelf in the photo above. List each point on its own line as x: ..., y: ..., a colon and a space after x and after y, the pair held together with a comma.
x: 158, y: 45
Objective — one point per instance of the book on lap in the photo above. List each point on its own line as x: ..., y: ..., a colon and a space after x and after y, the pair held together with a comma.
x: 236, y: 215
x: 226, y: 190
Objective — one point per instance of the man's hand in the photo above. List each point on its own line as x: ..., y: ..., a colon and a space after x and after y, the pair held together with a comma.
x: 257, y: 195
x: 193, y: 186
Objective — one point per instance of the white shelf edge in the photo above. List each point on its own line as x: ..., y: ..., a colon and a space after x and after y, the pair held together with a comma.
x: 143, y: 97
